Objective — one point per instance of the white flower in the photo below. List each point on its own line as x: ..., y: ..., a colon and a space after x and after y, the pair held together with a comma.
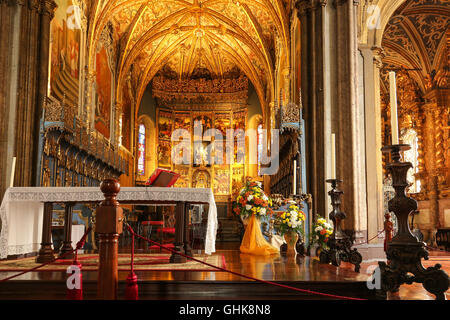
x: 248, y: 207
x: 265, y: 198
x: 250, y: 197
x: 262, y: 211
x: 293, y: 213
x: 318, y: 229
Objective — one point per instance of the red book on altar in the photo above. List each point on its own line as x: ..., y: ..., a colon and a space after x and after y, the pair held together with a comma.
x: 162, y: 178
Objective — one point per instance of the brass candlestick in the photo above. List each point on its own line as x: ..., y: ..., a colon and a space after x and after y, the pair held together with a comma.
x: 340, y: 244
x: 405, y: 252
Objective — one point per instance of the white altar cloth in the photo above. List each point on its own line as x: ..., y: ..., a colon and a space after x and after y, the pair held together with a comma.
x: 77, y: 233
x: 21, y: 211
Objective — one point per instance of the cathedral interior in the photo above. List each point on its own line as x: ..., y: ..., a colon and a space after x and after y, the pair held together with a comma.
x: 95, y: 89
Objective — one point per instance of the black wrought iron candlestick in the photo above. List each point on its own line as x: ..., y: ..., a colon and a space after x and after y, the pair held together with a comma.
x: 340, y: 243
x: 405, y: 252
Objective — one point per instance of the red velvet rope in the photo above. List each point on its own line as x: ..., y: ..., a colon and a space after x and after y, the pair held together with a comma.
x: 241, y: 275
x: 79, y: 245
x: 132, y: 248
x: 366, y: 242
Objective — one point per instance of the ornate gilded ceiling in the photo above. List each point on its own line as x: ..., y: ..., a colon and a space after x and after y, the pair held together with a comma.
x: 417, y: 38
x: 188, y: 35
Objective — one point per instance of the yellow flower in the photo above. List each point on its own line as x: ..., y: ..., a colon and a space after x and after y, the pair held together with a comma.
x: 288, y: 214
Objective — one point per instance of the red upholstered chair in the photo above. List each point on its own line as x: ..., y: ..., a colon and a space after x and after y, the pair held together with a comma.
x: 165, y: 229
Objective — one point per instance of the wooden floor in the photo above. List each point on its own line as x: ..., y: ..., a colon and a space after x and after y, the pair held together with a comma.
x: 303, y: 272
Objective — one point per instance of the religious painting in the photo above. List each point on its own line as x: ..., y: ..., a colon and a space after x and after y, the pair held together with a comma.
x: 164, y: 153
x: 222, y: 180
x: 203, y: 154
x: 222, y: 123
x: 183, y: 180
x: 65, y: 37
x: 165, y: 125
x: 103, y: 97
x: 126, y: 117
x: 201, y: 179
x: 182, y: 121
x: 204, y: 122
x: 238, y: 173
x: 239, y: 120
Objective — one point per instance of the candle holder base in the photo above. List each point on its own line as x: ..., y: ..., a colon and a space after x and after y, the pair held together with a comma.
x: 405, y: 252
x: 340, y: 244
x: 405, y: 267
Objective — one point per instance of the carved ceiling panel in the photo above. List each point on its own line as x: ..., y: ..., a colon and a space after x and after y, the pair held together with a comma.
x: 415, y: 38
x: 188, y: 35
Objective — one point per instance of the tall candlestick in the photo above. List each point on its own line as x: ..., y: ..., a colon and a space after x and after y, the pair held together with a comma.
x: 295, y: 177
x: 13, y: 169
x: 333, y: 156
x: 393, y: 102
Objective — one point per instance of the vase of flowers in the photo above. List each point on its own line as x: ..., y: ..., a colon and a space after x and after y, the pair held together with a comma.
x: 252, y: 201
x: 320, y: 234
x: 289, y: 223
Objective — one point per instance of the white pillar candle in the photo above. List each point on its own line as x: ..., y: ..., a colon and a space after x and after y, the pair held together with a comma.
x: 295, y: 177
x: 13, y: 169
x: 393, y: 102
x: 333, y: 156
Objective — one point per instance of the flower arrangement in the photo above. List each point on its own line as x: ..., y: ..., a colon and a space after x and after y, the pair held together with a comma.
x: 321, y: 232
x: 252, y: 200
x: 290, y: 220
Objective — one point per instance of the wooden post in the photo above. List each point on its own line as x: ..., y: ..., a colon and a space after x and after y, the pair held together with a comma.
x: 45, y: 253
x: 179, y: 233
x: 186, y: 237
x: 67, y: 244
x: 108, y: 227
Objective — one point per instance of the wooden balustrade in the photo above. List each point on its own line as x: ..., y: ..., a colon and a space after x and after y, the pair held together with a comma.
x: 108, y: 226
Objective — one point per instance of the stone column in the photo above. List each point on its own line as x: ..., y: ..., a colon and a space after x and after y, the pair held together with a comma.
x: 349, y: 112
x: 311, y: 17
x: 25, y: 39
x: 9, y: 47
x: 374, y: 171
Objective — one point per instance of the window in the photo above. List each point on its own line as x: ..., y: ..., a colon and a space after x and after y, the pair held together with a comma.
x: 120, y: 129
x: 260, y: 145
x: 141, y: 150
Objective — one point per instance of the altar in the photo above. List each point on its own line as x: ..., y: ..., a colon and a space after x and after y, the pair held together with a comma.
x: 26, y: 212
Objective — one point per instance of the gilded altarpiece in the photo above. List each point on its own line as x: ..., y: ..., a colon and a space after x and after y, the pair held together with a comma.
x: 215, y: 109
x: 209, y: 166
